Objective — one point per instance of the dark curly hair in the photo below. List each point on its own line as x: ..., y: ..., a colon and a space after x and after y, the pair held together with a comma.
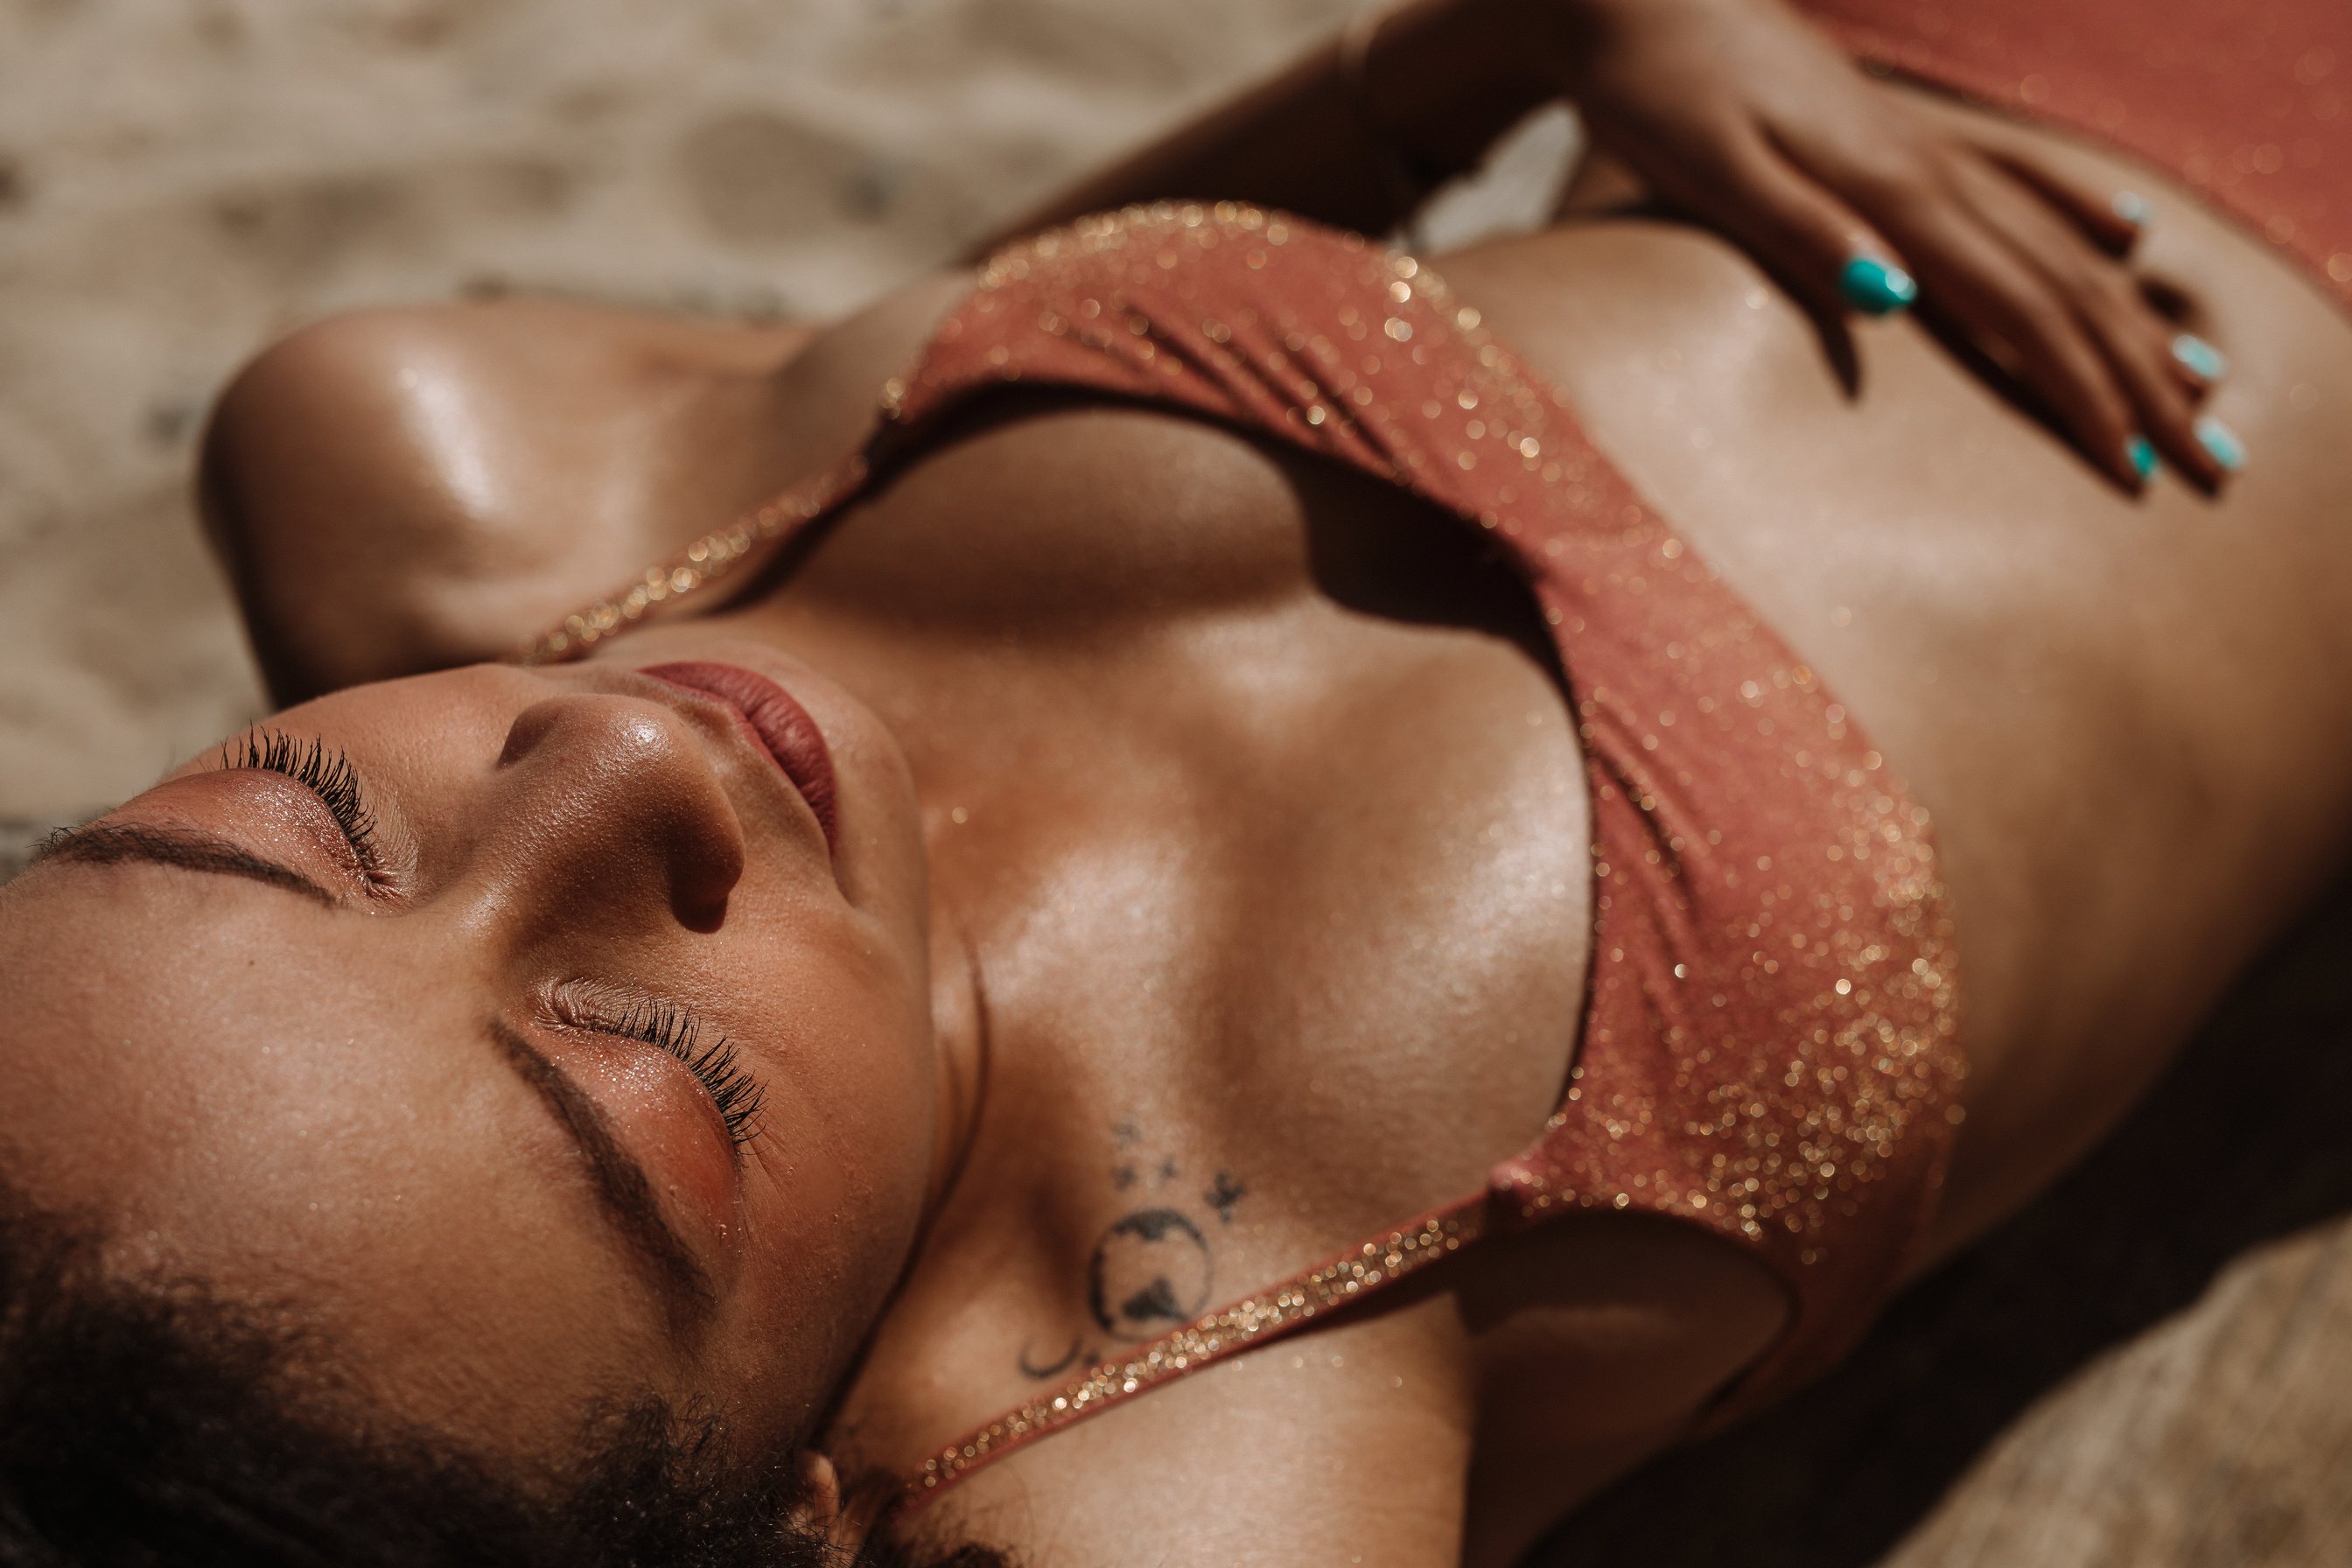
x: 140, y: 1428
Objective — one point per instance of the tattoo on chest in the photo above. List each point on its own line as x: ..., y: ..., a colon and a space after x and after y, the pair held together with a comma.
x: 1153, y: 1268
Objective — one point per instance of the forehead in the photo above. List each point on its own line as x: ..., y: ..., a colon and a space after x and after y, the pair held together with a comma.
x: 153, y: 1003
x: 301, y: 1106
x: 241, y: 1070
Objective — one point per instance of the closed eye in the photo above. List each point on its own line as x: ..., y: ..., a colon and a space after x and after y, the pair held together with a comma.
x: 734, y: 1090
x: 327, y: 773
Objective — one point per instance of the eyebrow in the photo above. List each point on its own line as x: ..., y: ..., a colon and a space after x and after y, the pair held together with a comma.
x: 188, y: 849
x: 623, y: 1191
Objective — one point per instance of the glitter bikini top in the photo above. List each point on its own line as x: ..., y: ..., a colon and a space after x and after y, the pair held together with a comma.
x: 1768, y: 1047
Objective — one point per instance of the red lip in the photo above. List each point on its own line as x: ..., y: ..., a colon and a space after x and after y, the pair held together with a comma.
x: 781, y: 726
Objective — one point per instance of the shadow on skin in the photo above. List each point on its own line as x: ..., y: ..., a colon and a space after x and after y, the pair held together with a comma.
x: 2242, y: 1142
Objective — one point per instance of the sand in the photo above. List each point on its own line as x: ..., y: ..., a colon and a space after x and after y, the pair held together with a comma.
x: 179, y: 183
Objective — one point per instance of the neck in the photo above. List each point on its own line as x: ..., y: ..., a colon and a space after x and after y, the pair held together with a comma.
x: 960, y: 1018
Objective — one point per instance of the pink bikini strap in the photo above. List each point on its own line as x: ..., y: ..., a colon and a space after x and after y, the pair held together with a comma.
x: 1257, y: 1320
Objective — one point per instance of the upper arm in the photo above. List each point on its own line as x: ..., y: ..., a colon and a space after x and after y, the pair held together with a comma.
x: 399, y: 491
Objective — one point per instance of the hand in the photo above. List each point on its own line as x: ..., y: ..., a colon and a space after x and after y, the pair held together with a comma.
x: 1739, y: 114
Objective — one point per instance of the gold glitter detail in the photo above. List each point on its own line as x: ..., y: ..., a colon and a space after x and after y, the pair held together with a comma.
x: 1244, y: 1325
x: 712, y: 558
x: 1770, y: 1044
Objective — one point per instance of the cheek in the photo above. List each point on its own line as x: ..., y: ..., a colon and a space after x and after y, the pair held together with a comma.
x: 849, y: 1123
x: 663, y: 1114
x: 867, y: 1104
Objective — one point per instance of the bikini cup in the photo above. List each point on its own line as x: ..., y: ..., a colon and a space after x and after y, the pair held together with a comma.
x: 1770, y: 1045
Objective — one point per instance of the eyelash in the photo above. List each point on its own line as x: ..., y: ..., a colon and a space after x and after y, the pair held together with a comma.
x: 328, y: 773
x: 738, y: 1095
x: 322, y: 769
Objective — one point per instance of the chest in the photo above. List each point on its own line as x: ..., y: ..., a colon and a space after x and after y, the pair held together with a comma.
x: 1257, y: 783
x: 1256, y: 798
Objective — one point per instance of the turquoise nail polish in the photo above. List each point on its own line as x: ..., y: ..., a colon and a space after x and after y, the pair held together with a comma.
x: 1876, y: 288
x: 2204, y: 361
x: 2142, y: 456
x: 2130, y: 207
x: 2220, y: 441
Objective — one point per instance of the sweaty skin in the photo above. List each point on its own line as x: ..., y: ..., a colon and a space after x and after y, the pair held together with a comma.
x: 1152, y: 689
x: 384, y: 1051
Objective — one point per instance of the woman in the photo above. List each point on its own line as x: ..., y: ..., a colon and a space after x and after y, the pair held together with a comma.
x: 1005, y: 978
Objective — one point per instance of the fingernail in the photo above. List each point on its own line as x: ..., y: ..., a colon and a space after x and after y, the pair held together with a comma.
x: 1876, y: 288
x: 2142, y: 456
x: 2130, y: 207
x: 2221, y: 442
x: 2203, y: 359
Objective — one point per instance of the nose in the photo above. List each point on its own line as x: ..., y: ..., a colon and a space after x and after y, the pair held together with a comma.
x: 618, y: 799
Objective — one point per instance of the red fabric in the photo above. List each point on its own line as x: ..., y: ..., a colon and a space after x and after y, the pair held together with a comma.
x: 1769, y: 1047
x: 2248, y: 101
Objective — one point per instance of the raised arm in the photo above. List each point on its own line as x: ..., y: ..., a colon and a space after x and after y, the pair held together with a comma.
x: 1355, y: 133
x: 1738, y: 114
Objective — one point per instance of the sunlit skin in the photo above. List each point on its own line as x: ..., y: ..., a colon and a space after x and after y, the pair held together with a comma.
x: 553, y: 847
x: 1193, y: 797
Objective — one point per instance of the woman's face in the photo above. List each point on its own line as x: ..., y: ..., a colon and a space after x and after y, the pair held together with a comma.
x: 403, y: 1027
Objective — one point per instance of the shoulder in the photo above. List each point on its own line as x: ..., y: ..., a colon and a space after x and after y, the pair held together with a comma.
x: 400, y: 490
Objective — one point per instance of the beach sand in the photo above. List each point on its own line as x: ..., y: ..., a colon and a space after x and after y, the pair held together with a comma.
x: 181, y: 182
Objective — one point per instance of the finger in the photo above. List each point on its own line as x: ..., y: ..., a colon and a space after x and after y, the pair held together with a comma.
x: 2199, y: 363
x: 2139, y: 346
x: 2112, y: 216
x: 2140, y: 355
x: 1822, y: 249
x: 2194, y: 362
x: 2143, y: 362
x: 1989, y: 289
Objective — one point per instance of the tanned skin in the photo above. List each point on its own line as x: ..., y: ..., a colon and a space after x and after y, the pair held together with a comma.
x: 1212, y: 889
